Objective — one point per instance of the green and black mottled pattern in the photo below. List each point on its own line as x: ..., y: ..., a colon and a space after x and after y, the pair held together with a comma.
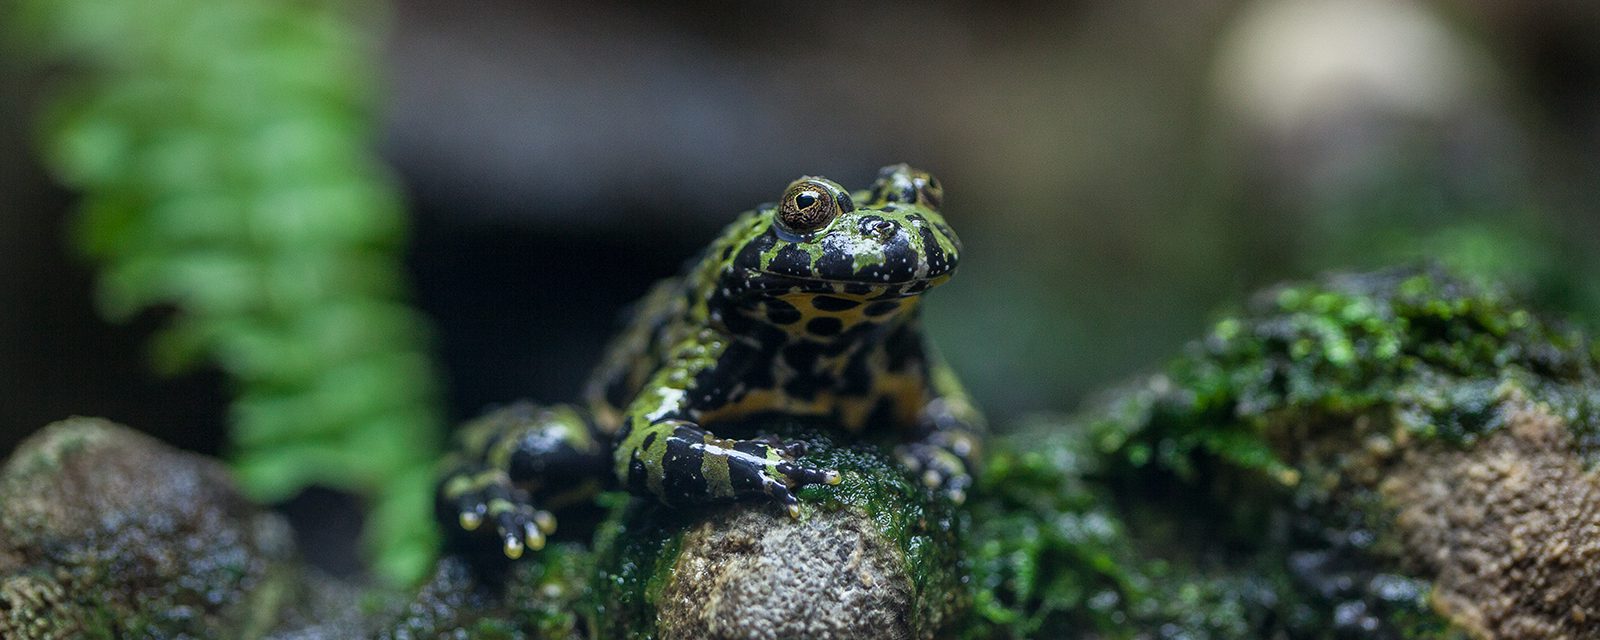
x: 807, y: 307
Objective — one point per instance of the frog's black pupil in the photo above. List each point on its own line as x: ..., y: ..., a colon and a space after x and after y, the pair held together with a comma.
x: 805, y: 200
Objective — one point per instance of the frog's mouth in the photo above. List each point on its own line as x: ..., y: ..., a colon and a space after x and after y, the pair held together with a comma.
x: 769, y: 283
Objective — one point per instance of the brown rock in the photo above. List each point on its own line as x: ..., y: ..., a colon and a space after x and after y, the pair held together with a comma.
x: 1510, y: 528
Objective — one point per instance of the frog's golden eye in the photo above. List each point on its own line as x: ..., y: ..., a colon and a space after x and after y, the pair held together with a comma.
x: 807, y: 206
x: 931, y: 192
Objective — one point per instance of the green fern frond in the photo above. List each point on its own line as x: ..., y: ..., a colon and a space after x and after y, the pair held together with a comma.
x: 223, y: 151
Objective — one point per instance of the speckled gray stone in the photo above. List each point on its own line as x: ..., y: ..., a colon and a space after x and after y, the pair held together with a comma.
x: 753, y: 574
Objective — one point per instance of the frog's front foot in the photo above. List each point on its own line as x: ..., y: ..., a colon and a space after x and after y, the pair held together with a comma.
x: 937, y: 467
x: 684, y: 464
x: 489, y: 496
x: 774, y: 465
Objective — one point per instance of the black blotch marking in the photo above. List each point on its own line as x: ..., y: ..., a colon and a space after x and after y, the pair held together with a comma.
x: 836, y: 264
x: 781, y: 312
x: 938, y: 262
x: 744, y: 474
x: 802, y: 355
x: 904, y: 349
x: 888, y: 208
x: 806, y: 386
x: 882, y: 308
x: 846, y: 205
x: 824, y: 326
x: 649, y: 439
x: 683, y: 478
x: 858, y: 288
x: 617, y: 390
x: 857, y: 377
x: 836, y: 347
x: 830, y: 303
x: 750, y: 256
x: 882, y: 414
x: 638, y: 477
x: 727, y: 252
x: 736, y: 322
x: 791, y: 261
x: 554, y: 469
x: 899, y: 261
x: 713, y: 386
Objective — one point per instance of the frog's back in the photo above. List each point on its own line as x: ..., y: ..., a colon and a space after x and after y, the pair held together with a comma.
x: 673, y: 310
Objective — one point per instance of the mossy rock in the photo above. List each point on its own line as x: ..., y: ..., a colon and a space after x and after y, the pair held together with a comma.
x: 105, y: 532
x: 1400, y: 454
x: 1393, y: 455
x: 877, y: 556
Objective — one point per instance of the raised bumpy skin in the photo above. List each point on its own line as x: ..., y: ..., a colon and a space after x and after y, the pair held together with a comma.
x: 806, y: 307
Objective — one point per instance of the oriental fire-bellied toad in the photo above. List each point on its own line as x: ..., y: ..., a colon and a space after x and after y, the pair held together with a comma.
x: 806, y: 307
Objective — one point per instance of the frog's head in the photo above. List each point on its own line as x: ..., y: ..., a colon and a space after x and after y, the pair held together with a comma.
x: 886, y: 242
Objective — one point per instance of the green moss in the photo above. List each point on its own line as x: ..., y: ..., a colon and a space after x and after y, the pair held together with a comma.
x: 536, y: 598
x: 1215, y: 498
x: 636, y: 548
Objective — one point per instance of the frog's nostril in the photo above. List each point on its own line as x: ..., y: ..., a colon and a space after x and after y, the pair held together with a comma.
x: 881, y: 228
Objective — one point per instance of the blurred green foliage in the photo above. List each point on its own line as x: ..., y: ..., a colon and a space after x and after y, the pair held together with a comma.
x: 222, y: 149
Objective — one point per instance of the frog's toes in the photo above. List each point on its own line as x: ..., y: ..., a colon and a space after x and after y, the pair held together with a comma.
x: 489, y: 497
x: 520, y: 526
x: 797, y: 476
x: 937, y: 468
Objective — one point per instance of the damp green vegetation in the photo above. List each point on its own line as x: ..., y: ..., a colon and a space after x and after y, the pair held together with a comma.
x: 222, y: 149
x: 1212, y: 500
x: 543, y: 597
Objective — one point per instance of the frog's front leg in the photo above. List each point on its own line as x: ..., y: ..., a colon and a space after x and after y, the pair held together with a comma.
x: 665, y: 453
x: 948, y: 436
x: 514, y: 463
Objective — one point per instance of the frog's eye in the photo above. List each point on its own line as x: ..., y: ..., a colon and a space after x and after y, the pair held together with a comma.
x: 929, y: 189
x: 809, y: 205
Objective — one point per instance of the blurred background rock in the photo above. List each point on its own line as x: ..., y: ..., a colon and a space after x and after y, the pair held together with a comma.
x: 1118, y: 169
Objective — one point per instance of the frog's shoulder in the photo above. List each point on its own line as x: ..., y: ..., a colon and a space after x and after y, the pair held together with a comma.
x: 634, y: 352
x: 671, y: 309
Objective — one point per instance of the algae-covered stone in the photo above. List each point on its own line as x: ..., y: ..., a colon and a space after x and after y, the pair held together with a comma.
x: 105, y: 532
x: 874, y: 557
x: 1401, y: 454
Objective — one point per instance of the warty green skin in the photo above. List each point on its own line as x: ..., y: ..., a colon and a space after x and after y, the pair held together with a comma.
x: 782, y: 314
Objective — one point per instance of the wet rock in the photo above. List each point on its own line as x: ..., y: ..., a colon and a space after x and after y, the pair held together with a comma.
x: 105, y: 532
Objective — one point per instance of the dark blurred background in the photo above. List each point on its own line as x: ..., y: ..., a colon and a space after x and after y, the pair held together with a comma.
x: 1120, y: 171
